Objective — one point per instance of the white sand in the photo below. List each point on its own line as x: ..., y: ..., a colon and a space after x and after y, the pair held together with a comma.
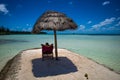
x: 70, y: 66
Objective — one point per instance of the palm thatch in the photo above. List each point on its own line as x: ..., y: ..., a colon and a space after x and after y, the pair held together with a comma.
x: 52, y: 20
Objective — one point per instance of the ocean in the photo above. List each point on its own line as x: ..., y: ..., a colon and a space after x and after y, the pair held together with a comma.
x: 104, y: 49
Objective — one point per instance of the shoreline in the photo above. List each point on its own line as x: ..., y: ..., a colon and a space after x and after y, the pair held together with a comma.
x: 12, y: 67
x: 118, y: 72
x: 104, y: 66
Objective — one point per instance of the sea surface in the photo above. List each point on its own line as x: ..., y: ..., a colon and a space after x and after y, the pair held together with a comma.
x: 104, y: 49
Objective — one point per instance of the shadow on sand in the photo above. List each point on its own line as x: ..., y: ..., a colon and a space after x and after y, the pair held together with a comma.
x: 52, y: 67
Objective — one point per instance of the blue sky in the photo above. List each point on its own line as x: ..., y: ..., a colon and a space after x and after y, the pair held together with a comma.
x: 91, y: 16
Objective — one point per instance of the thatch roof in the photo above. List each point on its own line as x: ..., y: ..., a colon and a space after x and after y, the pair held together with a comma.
x: 52, y: 20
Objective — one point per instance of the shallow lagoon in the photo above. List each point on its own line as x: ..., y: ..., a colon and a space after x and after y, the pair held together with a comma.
x: 102, y: 49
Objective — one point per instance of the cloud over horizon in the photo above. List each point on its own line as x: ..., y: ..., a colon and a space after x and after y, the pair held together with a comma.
x: 106, y: 25
x: 103, y: 23
x: 90, y: 16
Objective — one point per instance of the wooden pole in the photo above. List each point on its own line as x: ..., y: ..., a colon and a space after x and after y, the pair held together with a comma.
x: 55, y: 39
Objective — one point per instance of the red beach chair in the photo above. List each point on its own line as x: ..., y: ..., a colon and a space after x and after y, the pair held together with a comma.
x: 47, y: 51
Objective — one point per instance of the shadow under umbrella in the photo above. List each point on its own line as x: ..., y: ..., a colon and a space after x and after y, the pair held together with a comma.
x: 52, y: 67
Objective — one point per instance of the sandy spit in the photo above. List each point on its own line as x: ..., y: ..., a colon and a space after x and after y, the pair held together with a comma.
x: 28, y: 65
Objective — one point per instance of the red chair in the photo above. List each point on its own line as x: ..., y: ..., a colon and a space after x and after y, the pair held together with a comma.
x: 47, y: 51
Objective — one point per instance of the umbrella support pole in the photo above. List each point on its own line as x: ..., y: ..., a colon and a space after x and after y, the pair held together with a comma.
x: 55, y: 38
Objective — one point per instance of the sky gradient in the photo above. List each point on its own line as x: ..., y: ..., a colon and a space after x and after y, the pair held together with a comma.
x: 91, y: 16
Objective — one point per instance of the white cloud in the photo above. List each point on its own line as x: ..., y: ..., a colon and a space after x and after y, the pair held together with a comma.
x: 107, y: 21
x: 103, y: 23
x: 89, y: 22
x: 3, y: 9
x: 81, y: 27
x: 106, y: 3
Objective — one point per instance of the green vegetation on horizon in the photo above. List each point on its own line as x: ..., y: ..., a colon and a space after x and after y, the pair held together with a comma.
x: 6, y: 31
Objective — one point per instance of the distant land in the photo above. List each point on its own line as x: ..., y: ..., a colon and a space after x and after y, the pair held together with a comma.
x: 6, y: 31
x: 25, y: 32
x: 19, y: 32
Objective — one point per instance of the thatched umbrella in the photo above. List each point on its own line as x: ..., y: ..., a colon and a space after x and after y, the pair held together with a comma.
x: 52, y: 20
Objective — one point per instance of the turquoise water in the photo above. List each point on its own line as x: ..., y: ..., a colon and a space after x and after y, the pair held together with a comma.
x: 103, y: 49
